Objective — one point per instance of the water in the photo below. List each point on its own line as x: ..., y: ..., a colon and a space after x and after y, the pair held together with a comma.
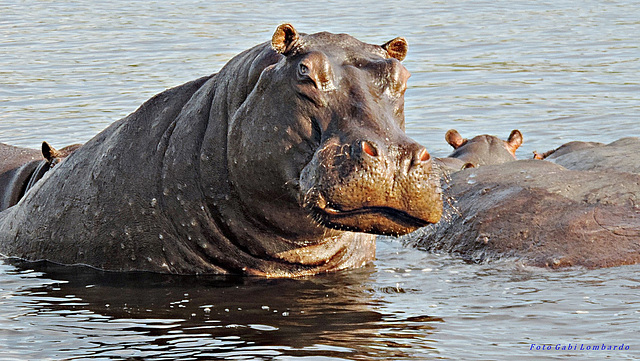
x: 558, y: 71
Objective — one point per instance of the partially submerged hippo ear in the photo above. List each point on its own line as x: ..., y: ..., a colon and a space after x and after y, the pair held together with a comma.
x: 48, y: 152
x: 284, y: 39
x: 396, y: 48
x: 514, y: 142
x: 454, y: 139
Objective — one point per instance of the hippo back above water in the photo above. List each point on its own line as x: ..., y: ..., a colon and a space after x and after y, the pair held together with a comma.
x: 617, y: 156
x: 544, y: 214
x: 285, y: 163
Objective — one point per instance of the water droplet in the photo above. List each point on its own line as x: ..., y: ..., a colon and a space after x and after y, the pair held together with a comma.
x: 154, y: 202
x: 160, y: 236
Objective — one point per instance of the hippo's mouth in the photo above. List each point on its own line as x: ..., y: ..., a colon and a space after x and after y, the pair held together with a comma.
x: 373, y: 219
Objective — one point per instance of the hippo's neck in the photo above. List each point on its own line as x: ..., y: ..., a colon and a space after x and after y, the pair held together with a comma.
x: 215, y: 228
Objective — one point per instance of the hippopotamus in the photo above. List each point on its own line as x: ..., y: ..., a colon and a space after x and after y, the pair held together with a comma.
x: 21, y: 168
x: 541, y: 214
x: 287, y: 162
x: 617, y: 156
x: 479, y: 150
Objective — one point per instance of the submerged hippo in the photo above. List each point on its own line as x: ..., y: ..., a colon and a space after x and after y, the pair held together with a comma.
x: 618, y: 156
x: 21, y: 168
x: 542, y: 214
x: 285, y: 163
x: 479, y: 150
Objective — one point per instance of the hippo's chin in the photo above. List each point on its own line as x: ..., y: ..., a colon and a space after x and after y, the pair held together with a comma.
x: 376, y: 220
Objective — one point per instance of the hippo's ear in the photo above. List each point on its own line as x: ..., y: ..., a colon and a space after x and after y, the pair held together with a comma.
x: 48, y: 152
x: 514, y: 142
x: 454, y: 139
x: 284, y: 39
x: 396, y: 48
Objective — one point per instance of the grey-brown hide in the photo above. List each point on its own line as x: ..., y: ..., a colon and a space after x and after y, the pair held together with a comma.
x: 541, y: 214
x: 275, y: 166
x: 618, y: 156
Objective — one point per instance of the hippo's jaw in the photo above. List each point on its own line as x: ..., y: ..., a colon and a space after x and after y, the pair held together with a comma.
x: 383, y: 220
x: 376, y: 220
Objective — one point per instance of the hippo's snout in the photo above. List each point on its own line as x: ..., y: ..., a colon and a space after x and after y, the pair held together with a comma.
x: 371, y: 187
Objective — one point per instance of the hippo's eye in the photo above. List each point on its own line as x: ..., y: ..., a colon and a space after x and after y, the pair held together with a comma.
x: 303, y: 70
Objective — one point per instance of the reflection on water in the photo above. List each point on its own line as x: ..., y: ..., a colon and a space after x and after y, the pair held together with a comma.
x: 112, y: 315
x: 410, y: 305
x: 557, y: 71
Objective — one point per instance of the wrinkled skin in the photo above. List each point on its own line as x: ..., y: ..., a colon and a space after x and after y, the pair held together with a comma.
x: 618, y: 156
x: 21, y: 168
x: 479, y: 150
x: 542, y: 214
x: 283, y: 164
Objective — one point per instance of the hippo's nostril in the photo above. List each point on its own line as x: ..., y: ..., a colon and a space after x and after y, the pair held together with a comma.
x: 369, y: 148
x: 423, y: 155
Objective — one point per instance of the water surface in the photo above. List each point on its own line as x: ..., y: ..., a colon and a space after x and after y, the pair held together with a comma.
x: 558, y: 71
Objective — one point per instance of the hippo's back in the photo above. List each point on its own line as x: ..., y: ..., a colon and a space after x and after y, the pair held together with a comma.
x: 618, y: 156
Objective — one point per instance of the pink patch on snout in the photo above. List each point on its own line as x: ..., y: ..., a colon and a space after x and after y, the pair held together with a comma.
x: 369, y: 149
x: 424, y: 155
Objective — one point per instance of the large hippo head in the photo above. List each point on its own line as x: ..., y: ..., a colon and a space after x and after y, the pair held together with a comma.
x: 319, y: 143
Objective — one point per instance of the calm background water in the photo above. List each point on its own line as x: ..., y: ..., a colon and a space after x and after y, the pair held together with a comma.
x: 558, y: 71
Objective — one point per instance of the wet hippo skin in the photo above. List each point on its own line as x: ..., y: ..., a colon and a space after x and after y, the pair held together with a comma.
x: 285, y: 163
x: 541, y: 214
